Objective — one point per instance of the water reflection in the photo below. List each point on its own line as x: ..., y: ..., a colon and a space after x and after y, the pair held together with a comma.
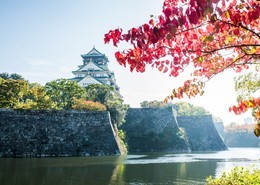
x: 118, y: 172
x: 151, y: 169
x: 57, y: 171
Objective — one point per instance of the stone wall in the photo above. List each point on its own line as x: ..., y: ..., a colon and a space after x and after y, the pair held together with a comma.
x: 56, y: 133
x: 201, y: 133
x: 153, y: 129
x: 82, y: 133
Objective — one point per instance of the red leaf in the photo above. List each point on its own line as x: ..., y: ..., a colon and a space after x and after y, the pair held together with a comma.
x: 146, y: 27
x: 120, y: 58
x: 253, y: 15
x: 165, y: 69
x: 193, y: 17
x: 167, y: 12
x: 107, y: 38
x: 198, y: 52
x: 215, y: 1
x: 178, y: 50
x: 236, y: 31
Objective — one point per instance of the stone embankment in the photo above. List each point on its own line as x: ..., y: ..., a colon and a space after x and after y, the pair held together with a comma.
x: 27, y: 133
x: 56, y: 133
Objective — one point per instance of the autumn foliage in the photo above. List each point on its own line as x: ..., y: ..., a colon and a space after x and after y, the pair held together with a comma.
x: 209, y: 35
x: 82, y: 104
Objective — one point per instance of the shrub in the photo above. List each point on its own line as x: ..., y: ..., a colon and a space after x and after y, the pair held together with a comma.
x: 82, y: 104
x: 238, y: 176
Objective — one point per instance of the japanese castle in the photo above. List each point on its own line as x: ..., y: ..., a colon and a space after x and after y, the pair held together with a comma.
x: 95, y: 71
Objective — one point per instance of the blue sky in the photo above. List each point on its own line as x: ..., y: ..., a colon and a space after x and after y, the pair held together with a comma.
x: 43, y: 39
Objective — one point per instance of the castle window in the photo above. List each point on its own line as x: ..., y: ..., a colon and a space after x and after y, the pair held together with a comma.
x: 79, y: 75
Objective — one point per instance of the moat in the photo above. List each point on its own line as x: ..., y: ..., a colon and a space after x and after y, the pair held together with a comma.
x: 132, y: 169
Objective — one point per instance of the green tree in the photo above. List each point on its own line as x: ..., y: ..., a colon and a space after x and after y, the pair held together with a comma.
x: 99, y: 92
x: 36, y: 98
x: 107, y: 96
x: 12, y: 92
x: 247, y: 85
x: 63, y: 91
x: 4, y: 75
x: 187, y: 109
x: 14, y: 76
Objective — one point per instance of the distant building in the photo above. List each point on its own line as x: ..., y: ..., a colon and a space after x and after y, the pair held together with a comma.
x: 240, y: 128
x: 94, y: 70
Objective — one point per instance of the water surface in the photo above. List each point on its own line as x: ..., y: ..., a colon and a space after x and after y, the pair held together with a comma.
x: 133, y: 169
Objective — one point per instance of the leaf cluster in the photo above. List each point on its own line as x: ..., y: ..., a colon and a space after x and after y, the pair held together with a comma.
x: 19, y: 94
x: 63, y: 92
x: 82, y: 104
x: 247, y: 85
x: 211, y: 36
x: 112, y: 100
x: 13, y: 76
x: 238, y: 176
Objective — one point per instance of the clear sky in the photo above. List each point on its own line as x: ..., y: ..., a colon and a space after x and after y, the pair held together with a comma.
x: 43, y: 39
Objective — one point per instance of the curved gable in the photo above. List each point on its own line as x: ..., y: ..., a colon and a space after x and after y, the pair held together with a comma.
x: 88, y: 80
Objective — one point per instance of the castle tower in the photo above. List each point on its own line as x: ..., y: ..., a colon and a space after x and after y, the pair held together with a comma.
x: 95, y: 70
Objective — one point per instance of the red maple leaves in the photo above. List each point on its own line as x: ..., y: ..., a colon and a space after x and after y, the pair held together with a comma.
x: 211, y: 35
x: 245, y: 105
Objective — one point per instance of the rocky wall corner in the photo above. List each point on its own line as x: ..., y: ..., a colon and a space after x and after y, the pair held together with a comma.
x: 153, y: 130
x: 30, y: 133
x: 201, y: 133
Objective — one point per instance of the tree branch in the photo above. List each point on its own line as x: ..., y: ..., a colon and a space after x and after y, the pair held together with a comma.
x: 226, y: 47
x: 226, y: 67
x: 242, y: 26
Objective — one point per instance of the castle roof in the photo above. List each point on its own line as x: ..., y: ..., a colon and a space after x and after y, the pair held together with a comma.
x: 92, y: 53
x: 92, y: 65
x: 87, y: 78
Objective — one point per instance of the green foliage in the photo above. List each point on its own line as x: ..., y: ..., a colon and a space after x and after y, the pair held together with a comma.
x: 36, y: 98
x: 19, y: 94
x: 155, y: 103
x: 4, y: 75
x: 107, y: 96
x: 63, y: 91
x: 238, y: 176
x: 98, y: 92
x: 82, y: 104
x: 187, y: 109
x: 117, y: 109
x: 248, y: 84
x: 121, y: 135
x: 12, y: 92
x: 13, y: 76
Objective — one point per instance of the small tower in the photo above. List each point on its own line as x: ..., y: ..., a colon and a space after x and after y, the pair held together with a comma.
x: 95, y: 71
